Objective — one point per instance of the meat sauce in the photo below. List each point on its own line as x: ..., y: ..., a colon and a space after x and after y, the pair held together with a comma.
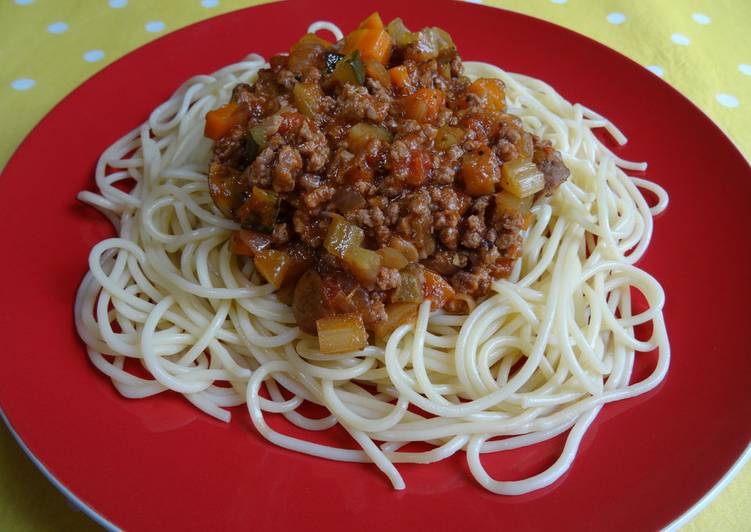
x: 370, y: 174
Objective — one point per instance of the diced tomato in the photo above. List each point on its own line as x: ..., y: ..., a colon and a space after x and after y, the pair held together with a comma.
x: 420, y: 166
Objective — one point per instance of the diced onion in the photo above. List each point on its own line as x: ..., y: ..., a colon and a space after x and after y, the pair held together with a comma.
x: 341, y: 334
x: 522, y: 178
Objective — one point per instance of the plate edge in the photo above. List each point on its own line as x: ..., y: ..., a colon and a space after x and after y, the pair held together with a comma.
x: 710, y: 495
x: 62, y: 488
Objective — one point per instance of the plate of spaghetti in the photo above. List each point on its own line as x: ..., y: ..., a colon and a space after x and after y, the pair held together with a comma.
x: 316, y: 264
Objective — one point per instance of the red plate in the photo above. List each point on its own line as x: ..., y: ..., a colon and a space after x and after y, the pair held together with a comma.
x: 158, y: 462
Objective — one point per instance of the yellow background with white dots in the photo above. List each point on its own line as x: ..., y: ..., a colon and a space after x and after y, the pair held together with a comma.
x: 48, y: 47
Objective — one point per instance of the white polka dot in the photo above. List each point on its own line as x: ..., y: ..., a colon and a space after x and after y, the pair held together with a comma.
x: 117, y: 4
x: 22, y: 84
x: 92, y: 56
x: 473, y: 1
x: 745, y: 69
x: 701, y: 18
x: 679, y: 38
x: 656, y: 70
x: 559, y: 1
x: 728, y: 100
x: 24, y: 3
x: 154, y: 26
x: 57, y: 27
x: 209, y: 3
x: 616, y: 18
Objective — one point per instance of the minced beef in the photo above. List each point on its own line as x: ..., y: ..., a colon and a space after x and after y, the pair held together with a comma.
x: 401, y: 149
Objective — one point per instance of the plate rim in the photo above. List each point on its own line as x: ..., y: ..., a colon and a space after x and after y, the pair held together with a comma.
x: 680, y: 521
x: 68, y: 493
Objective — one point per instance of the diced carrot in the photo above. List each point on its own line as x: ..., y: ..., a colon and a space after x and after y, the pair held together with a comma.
x: 373, y: 22
x: 491, y: 92
x: 424, y: 105
x: 437, y: 289
x: 480, y: 172
x: 400, y: 77
x: 220, y: 121
x: 374, y: 45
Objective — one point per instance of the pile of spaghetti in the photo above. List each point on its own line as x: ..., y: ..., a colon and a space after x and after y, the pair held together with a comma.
x: 538, y: 356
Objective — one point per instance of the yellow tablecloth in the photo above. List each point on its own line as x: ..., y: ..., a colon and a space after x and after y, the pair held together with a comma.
x: 48, y: 47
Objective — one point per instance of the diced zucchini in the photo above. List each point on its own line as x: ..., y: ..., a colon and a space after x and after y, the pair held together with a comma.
x: 260, y: 211
x: 307, y: 98
x: 361, y: 133
x: 350, y: 69
x: 227, y: 188
x: 400, y: 34
x: 332, y: 58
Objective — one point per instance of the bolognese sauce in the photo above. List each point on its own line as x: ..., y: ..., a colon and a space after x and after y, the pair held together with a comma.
x: 370, y: 174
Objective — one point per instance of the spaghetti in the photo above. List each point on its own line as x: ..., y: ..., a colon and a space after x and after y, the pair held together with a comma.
x: 540, y: 356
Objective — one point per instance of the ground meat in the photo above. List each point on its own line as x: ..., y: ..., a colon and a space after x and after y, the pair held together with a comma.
x: 355, y: 104
x: 549, y: 161
x: 309, y: 182
x: 447, y: 262
x: 285, y: 78
x: 230, y: 149
x: 416, y: 222
x: 287, y: 167
x: 448, y: 167
x: 309, y: 228
x: 473, y: 231
x: 388, y: 278
x: 242, y: 93
x: 313, y: 146
x: 374, y: 313
x: 318, y: 196
x: 258, y: 174
x: 400, y: 191
x: 281, y: 234
x: 449, y: 237
x: 465, y: 282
